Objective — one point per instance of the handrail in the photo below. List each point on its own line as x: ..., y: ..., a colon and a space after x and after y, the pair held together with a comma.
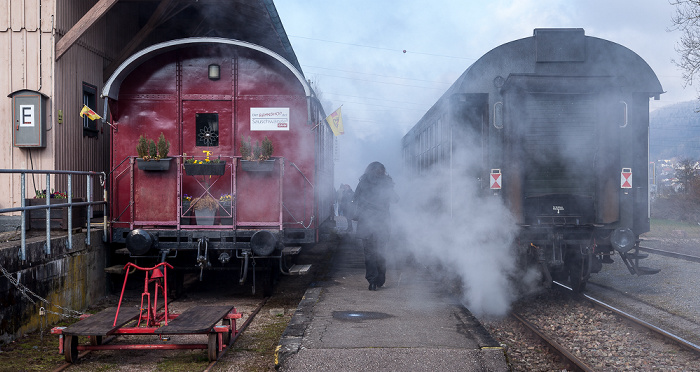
x: 48, y: 206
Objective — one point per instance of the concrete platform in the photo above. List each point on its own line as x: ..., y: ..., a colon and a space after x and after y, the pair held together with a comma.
x: 408, y: 324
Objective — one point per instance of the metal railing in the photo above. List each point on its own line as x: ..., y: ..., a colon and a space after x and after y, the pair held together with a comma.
x: 48, y: 206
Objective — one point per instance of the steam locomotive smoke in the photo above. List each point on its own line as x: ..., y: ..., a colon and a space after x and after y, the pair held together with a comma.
x: 451, y: 228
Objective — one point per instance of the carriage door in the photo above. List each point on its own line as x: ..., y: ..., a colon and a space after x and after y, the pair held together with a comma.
x: 206, y: 126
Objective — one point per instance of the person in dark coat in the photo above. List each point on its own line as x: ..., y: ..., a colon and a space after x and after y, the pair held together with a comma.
x: 373, y: 195
x: 345, y: 204
x: 344, y: 199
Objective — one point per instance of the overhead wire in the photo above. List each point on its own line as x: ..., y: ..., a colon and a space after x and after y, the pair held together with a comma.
x: 441, y: 85
x: 379, y: 75
x: 380, y: 82
x: 378, y: 99
x: 383, y: 48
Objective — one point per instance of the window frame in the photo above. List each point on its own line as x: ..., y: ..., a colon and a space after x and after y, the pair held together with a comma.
x: 89, y: 96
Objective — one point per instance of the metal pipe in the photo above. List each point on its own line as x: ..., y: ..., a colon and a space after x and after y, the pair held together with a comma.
x: 23, y: 249
x: 244, y: 272
x: 70, y: 212
x: 48, y: 214
x: 104, y: 216
x: 89, y: 208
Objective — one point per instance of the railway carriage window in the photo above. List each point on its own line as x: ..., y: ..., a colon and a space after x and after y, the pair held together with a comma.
x: 207, y: 126
x: 89, y: 99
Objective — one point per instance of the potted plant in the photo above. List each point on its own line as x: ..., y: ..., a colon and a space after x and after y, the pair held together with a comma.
x: 186, y: 212
x: 153, y: 156
x: 58, y: 217
x: 226, y: 212
x: 257, y: 158
x: 205, y: 208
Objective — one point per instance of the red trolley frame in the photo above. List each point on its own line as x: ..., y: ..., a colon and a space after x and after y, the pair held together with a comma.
x: 148, y: 320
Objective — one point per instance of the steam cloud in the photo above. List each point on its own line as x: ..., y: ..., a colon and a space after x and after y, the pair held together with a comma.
x: 445, y: 221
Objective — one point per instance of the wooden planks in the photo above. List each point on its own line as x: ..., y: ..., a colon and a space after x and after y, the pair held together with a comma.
x: 100, y: 324
x: 198, y: 319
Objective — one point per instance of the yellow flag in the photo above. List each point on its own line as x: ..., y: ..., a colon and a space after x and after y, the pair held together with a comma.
x: 90, y: 114
x: 335, y: 120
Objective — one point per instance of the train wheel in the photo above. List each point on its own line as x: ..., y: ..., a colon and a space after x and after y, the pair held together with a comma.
x: 267, y: 283
x: 576, y: 280
x: 70, y: 348
x: 213, y: 347
x: 226, y: 337
x: 268, y: 275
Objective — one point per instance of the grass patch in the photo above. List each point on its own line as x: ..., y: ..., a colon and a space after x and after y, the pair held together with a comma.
x: 32, y: 353
x: 664, y: 228
x: 184, y: 362
x: 270, y: 335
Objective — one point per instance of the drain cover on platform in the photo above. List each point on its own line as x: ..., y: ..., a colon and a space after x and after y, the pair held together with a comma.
x: 359, y: 316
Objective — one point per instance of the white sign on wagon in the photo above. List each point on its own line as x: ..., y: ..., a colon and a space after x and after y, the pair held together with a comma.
x: 269, y: 118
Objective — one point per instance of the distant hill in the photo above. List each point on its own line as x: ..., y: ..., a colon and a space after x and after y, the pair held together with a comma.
x: 674, y: 131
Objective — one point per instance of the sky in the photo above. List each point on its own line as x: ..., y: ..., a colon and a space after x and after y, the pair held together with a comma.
x: 387, y: 62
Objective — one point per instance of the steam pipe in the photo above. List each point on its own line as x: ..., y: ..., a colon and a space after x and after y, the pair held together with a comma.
x: 244, y: 273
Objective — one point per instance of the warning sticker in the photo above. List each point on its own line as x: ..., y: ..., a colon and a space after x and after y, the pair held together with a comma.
x: 495, y: 179
x: 626, y: 178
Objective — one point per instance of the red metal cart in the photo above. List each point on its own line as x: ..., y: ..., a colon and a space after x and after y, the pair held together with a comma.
x: 148, y: 320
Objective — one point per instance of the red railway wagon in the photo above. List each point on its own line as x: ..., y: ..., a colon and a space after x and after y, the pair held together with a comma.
x: 205, y: 207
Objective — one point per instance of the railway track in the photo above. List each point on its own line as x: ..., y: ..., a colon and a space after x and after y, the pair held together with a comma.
x: 668, y: 335
x: 662, y: 252
x: 599, y: 340
x: 574, y: 362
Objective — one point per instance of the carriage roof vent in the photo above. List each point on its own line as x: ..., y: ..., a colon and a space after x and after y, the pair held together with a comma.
x: 560, y: 44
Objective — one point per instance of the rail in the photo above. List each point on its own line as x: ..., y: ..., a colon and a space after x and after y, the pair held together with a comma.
x: 48, y: 206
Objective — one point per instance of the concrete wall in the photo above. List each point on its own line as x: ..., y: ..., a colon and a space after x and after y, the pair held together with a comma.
x: 72, y: 279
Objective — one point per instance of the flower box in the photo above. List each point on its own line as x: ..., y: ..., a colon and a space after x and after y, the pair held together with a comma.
x: 153, y: 165
x: 58, y: 218
x: 258, y: 165
x: 206, y: 169
x: 186, y: 214
x: 225, y: 212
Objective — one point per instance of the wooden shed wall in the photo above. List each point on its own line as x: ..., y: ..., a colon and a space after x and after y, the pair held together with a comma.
x: 29, y: 30
x: 82, y: 63
x: 26, y: 62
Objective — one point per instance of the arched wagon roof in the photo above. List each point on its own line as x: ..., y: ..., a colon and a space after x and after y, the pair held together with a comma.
x: 558, y: 52
x: 113, y: 84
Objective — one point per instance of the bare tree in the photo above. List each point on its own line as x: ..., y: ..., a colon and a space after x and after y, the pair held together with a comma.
x: 686, y: 172
x: 687, y: 20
